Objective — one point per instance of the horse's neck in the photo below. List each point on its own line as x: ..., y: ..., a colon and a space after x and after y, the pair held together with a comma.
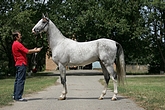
x: 54, y: 35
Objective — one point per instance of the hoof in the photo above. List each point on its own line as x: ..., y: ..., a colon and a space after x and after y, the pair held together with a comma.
x: 100, y: 98
x: 114, y: 99
x: 62, y: 98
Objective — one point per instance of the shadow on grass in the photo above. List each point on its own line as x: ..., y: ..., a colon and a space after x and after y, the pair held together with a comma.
x: 3, y: 76
x: 43, y: 74
x: 69, y: 73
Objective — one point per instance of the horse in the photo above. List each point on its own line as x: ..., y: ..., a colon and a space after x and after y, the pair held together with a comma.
x: 67, y: 52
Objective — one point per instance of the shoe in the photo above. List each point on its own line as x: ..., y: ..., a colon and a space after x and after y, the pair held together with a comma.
x: 22, y: 100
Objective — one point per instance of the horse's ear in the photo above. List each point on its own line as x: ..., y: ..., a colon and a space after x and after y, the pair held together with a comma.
x: 46, y: 14
x: 43, y: 16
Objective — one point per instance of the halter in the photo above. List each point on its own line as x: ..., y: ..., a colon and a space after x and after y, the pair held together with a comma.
x: 34, y: 55
x: 47, y: 21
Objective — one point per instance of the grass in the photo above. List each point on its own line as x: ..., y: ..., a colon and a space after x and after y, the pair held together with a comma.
x: 33, y: 84
x: 147, y: 92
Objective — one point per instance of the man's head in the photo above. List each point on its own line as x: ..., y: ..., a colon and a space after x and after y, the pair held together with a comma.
x: 17, y: 36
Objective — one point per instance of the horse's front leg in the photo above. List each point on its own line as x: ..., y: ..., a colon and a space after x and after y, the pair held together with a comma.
x: 62, y: 70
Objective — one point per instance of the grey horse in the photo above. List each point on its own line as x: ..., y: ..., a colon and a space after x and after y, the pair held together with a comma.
x: 67, y: 52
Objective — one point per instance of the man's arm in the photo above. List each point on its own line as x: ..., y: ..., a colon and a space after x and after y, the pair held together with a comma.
x: 35, y: 50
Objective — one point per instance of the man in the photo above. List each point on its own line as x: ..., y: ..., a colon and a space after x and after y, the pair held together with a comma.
x: 19, y: 54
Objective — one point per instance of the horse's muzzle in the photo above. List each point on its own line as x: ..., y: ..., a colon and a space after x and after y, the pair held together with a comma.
x: 35, y: 31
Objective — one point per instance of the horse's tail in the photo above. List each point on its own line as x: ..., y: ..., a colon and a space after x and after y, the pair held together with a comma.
x: 120, y: 64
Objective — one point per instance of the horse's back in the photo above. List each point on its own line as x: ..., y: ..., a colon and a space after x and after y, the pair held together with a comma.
x: 108, y: 42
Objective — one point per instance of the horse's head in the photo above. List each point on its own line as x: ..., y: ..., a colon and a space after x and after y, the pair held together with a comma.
x: 42, y: 25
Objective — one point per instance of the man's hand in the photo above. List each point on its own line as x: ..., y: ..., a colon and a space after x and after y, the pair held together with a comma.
x: 37, y: 49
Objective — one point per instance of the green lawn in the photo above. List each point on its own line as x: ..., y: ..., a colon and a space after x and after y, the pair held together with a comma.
x: 148, y: 92
x: 33, y: 84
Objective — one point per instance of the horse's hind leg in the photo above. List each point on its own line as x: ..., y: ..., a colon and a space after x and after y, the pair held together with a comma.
x: 62, y: 70
x: 113, y: 76
x: 106, y: 77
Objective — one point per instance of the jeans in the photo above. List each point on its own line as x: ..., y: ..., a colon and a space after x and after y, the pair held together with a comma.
x: 19, y: 81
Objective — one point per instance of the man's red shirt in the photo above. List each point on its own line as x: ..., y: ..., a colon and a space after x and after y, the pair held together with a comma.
x: 19, y: 53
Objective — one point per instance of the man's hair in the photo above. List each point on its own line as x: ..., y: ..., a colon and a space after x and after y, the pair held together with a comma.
x: 15, y: 34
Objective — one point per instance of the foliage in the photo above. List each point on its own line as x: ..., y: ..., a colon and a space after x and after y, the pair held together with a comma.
x: 155, y: 21
x: 138, y: 25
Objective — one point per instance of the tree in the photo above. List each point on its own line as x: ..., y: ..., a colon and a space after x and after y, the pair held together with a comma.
x: 16, y: 15
x: 156, y: 24
x: 136, y: 24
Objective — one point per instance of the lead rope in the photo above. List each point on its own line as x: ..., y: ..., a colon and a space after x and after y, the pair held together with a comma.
x: 34, y: 56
